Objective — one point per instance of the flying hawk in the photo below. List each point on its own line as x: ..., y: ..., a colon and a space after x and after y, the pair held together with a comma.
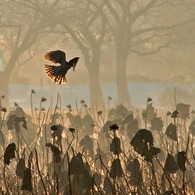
x: 58, y: 73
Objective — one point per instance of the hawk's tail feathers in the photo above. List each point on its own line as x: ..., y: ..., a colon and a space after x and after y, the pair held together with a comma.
x: 50, y: 70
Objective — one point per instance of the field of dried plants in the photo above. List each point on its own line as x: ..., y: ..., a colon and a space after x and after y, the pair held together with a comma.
x: 84, y: 150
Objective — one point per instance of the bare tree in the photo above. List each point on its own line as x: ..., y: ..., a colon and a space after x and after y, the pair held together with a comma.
x: 142, y: 27
x: 21, y: 24
x: 87, y: 28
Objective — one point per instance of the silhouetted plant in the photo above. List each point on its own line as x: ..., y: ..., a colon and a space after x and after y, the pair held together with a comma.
x: 116, y: 169
x: 170, y: 164
x: 184, y: 110
x: 156, y: 124
x: 135, y: 173
x: 175, y: 114
x: 57, y: 133
x: 9, y: 153
x: 14, y: 121
x: 87, y: 142
x: 115, y: 146
x: 142, y: 143
x: 20, y: 168
x: 171, y: 132
x: 56, y: 152
x: 27, y: 180
x: 72, y: 130
x: 142, y: 140
x: 181, y: 160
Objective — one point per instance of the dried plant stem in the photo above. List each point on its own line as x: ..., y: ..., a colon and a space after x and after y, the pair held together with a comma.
x: 39, y: 172
x: 69, y: 179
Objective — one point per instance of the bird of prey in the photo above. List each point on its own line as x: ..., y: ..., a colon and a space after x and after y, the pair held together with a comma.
x: 58, y: 73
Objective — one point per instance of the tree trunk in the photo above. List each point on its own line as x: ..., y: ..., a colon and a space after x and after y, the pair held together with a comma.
x: 121, y: 79
x: 96, y: 96
x: 92, y: 62
x: 4, y: 89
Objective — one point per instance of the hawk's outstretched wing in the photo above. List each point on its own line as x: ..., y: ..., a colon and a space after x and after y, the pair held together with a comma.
x: 57, y: 56
x: 50, y: 71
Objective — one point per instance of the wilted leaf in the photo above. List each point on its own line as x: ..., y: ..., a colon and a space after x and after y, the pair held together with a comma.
x: 116, y: 169
x: 87, y: 142
x: 106, y: 126
x: 184, y: 110
x: 171, y: 132
x: 141, y: 139
x: 58, y: 127
x: 11, y: 122
x: 132, y: 128
x: 56, y: 152
x: 136, y: 179
x: 143, y: 144
x: 76, y: 166
x: 117, y: 113
x: 150, y: 153
x: 175, y: 114
x: 9, y: 153
x: 14, y: 121
x: 181, y: 160
x: 27, y: 180
x: 20, y: 168
x: 133, y: 166
x: 156, y: 124
x: 88, y: 122
x: 128, y: 119
x: 86, y: 179
x: 20, y: 112
x: 115, y: 146
x: 170, y: 164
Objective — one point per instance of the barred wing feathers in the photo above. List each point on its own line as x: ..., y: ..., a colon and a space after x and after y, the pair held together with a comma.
x: 55, y: 56
x: 50, y: 71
